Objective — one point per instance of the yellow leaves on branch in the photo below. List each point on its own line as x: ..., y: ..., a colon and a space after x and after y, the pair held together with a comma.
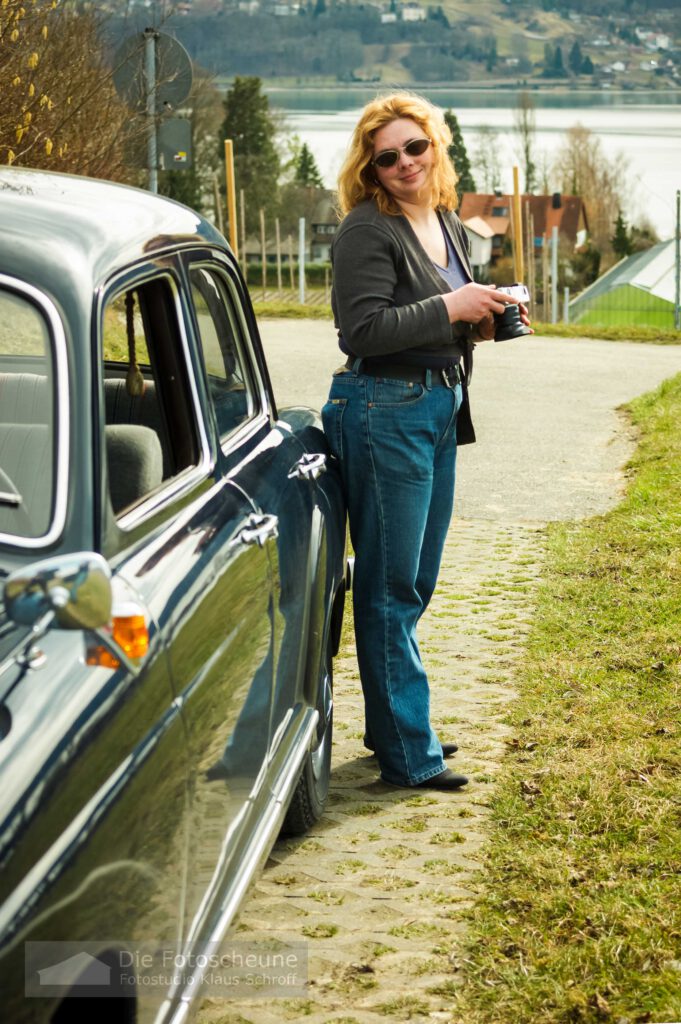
x: 52, y: 95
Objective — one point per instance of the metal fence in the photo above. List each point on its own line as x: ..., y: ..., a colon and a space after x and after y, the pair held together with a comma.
x: 641, y: 290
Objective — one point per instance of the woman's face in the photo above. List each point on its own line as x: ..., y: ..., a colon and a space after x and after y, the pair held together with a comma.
x: 408, y: 176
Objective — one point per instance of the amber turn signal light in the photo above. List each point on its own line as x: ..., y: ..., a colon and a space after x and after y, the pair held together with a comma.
x: 129, y: 630
x: 131, y: 633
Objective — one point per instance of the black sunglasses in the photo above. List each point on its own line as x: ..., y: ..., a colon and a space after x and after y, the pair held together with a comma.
x: 389, y: 157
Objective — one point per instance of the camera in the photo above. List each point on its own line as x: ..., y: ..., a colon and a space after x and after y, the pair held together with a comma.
x: 508, y: 324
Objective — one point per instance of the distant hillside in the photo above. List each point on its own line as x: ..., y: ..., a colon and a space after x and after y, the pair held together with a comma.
x: 403, y: 41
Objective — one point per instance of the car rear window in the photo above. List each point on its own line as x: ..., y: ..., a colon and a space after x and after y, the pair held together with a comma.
x: 27, y: 430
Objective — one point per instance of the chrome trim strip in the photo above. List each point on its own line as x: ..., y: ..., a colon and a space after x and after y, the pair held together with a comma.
x: 268, y: 826
x: 61, y: 487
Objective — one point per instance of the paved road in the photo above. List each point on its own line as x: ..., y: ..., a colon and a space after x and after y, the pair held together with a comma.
x: 550, y: 442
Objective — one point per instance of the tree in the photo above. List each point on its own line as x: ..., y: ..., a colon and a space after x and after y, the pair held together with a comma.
x: 587, y: 66
x: 59, y: 108
x: 575, y: 59
x: 558, y: 66
x: 458, y: 155
x: 525, y: 127
x: 249, y: 123
x: 491, y: 55
x: 306, y: 171
x: 548, y: 61
x: 582, y: 169
x: 584, y: 266
x: 620, y: 241
x: 642, y: 235
x: 486, y: 161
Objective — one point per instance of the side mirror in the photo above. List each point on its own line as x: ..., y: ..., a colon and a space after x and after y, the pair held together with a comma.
x: 74, y: 590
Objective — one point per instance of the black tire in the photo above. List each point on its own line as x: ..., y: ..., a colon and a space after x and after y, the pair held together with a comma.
x: 312, y: 788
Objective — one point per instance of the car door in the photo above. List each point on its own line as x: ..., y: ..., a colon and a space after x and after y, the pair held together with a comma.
x: 189, y: 546
x: 271, y: 465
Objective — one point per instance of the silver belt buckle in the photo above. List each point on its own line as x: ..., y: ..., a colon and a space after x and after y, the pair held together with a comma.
x: 450, y: 382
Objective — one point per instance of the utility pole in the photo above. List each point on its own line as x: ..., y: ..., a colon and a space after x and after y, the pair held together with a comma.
x: 677, y: 264
x: 301, y: 261
x: 231, y: 196
x: 150, y: 37
x: 517, y: 229
x: 554, y: 274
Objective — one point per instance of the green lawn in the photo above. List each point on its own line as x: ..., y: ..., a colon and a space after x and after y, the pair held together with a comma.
x: 580, y: 914
x: 628, y: 306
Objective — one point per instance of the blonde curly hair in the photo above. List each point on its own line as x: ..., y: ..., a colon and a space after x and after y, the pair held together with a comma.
x: 357, y: 180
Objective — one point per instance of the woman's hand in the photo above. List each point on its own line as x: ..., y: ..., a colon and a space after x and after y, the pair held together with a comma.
x: 484, y: 329
x: 473, y: 302
x: 524, y: 315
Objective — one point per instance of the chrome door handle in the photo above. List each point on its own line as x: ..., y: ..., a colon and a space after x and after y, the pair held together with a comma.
x: 309, y: 467
x: 259, y: 529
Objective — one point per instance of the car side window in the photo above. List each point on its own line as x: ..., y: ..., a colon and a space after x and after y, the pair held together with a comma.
x: 27, y: 423
x: 227, y: 369
x: 150, y: 432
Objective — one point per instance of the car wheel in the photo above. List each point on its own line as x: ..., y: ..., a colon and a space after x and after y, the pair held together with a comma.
x: 312, y: 789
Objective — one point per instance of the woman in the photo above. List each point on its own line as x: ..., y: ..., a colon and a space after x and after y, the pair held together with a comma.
x: 407, y: 312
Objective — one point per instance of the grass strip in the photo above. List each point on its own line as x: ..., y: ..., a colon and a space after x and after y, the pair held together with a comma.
x: 271, y: 310
x: 580, y: 914
x: 278, y: 310
x: 614, y: 332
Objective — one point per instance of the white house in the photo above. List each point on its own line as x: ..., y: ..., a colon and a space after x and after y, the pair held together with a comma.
x: 413, y: 12
x: 480, y: 235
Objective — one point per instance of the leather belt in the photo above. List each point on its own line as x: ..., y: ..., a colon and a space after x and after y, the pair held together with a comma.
x: 448, y: 377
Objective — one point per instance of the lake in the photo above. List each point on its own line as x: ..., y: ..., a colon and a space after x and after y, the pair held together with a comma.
x: 643, y: 126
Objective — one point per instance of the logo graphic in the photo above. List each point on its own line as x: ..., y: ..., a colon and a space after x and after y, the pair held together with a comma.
x: 113, y: 969
x: 80, y: 969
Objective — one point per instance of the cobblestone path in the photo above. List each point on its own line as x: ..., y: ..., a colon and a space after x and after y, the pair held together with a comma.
x: 380, y: 889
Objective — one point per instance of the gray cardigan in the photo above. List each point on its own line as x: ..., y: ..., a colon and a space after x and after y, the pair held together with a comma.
x: 386, y: 290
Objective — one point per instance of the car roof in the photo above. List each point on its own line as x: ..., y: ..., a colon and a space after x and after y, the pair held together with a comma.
x: 85, y: 227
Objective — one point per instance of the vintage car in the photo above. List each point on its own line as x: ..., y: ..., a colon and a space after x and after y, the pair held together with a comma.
x: 172, y: 571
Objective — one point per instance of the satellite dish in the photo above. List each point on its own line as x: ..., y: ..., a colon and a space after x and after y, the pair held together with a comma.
x: 173, y: 72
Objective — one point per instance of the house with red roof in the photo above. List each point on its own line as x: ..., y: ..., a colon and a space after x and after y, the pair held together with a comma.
x: 487, y: 219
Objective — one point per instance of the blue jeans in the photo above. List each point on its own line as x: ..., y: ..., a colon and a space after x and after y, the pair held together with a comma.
x: 396, y: 444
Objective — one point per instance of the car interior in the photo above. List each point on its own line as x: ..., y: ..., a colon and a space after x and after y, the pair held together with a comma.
x: 26, y: 419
